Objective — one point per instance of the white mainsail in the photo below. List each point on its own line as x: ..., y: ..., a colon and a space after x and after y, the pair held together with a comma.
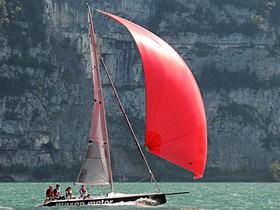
x: 96, y: 168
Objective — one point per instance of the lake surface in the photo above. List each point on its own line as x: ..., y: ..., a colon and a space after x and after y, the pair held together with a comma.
x: 202, y: 195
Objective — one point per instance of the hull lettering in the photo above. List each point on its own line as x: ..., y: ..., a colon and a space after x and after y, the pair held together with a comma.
x: 100, y: 202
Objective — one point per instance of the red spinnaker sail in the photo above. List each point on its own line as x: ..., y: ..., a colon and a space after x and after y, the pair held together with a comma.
x: 175, y: 117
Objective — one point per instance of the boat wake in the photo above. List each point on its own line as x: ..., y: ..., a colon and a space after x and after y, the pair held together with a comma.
x: 146, y: 202
x: 122, y: 203
x: 139, y: 202
x: 5, y: 208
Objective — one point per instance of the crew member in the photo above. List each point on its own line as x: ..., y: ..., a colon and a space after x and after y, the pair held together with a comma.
x: 83, y: 192
x: 49, y: 194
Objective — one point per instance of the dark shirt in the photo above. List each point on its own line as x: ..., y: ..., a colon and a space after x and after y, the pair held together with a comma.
x: 47, y: 192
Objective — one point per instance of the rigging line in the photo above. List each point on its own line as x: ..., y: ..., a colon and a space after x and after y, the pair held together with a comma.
x: 145, y: 178
x: 129, y: 125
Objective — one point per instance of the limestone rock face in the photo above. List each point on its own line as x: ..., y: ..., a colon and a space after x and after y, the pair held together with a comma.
x: 46, y: 92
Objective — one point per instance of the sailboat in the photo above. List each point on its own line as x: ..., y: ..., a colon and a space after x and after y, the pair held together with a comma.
x: 175, y: 119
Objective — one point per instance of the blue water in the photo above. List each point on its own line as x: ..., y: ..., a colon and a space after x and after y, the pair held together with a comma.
x: 201, y: 196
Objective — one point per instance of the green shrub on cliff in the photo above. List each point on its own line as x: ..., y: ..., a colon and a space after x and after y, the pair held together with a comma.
x: 274, y: 170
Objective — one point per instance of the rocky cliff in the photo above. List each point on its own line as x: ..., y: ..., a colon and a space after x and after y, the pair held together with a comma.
x: 232, y: 47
